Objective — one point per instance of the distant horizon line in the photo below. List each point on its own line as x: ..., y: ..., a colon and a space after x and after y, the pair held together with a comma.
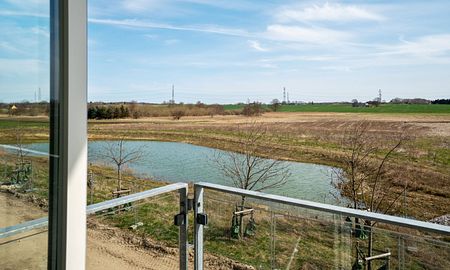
x: 227, y: 103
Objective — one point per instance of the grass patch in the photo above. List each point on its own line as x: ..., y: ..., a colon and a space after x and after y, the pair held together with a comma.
x: 347, y: 108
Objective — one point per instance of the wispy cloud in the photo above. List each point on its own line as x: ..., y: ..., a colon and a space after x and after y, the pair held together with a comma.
x: 429, y: 46
x: 140, y: 5
x: 13, y: 13
x: 326, y: 12
x: 337, y: 68
x: 6, y: 46
x: 276, y: 32
x: 296, y: 58
x: 315, y: 35
x: 40, y: 31
x: 171, y: 41
x: 22, y: 67
x: 195, y: 28
x: 257, y: 46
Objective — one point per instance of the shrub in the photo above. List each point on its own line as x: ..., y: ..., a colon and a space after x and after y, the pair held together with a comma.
x: 252, y: 109
x: 177, y: 114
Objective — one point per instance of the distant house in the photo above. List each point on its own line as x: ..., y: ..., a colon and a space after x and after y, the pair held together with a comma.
x: 13, y: 110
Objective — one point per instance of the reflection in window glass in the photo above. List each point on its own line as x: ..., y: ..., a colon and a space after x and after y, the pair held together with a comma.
x: 24, y: 121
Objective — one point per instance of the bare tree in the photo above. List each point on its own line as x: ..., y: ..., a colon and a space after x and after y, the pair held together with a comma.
x: 275, y: 105
x: 246, y: 169
x: 366, y: 177
x: 118, y: 153
x: 177, y: 113
x: 23, y: 170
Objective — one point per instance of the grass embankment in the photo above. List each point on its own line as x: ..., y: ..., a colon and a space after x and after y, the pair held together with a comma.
x: 348, y: 108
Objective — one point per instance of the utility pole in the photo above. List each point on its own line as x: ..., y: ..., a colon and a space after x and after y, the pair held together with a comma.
x: 284, y: 94
x: 379, y: 95
x: 173, y: 94
x: 39, y: 95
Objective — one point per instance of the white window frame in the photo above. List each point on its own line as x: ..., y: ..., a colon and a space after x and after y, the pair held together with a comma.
x: 68, y: 169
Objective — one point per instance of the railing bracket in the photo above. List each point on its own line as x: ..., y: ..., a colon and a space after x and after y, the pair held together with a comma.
x: 190, y: 204
x: 179, y: 219
x: 202, y: 219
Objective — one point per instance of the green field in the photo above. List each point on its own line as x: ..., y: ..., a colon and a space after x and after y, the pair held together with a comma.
x: 10, y: 122
x: 347, y: 108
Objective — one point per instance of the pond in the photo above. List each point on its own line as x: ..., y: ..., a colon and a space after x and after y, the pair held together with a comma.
x: 182, y: 162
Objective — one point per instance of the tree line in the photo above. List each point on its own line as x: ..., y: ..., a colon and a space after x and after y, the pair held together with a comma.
x: 441, y: 101
x: 108, y: 112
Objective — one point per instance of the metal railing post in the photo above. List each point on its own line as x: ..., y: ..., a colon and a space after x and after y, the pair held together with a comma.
x: 198, y: 236
x: 183, y: 230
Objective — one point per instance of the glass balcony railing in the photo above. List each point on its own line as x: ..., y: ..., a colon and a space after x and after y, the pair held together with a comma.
x: 275, y: 232
x: 238, y: 229
x: 130, y: 228
x: 24, y: 249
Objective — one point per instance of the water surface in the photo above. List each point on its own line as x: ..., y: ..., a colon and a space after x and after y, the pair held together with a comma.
x: 182, y: 162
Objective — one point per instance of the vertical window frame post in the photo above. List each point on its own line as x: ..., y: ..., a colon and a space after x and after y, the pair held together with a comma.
x: 68, y: 134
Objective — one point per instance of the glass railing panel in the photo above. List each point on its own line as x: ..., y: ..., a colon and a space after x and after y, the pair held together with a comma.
x: 137, y: 235
x: 26, y: 250
x: 272, y: 236
x: 286, y: 236
x: 409, y: 249
x: 24, y: 121
x: 226, y: 243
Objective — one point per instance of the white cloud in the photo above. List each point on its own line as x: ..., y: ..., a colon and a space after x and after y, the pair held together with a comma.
x: 257, y: 46
x: 277, y: 32
x: 41, y: 31
x: 426, y: 46
x: 297, y: 58
x: 151, y: 36
x: 212, y: 29
x: 29, y: 4
x: 140, y: 5
x: 10, y: 48
x: 20, y: 67
x: 315, y: 35
x: 327, y: 12
x: 171, y: 41
x: 337, y: 68
x: 23, y: 14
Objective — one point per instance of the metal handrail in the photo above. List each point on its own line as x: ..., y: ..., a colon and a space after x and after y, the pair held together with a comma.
x: 332, y: 209
x: 388, y: 219
x: 93, y: 208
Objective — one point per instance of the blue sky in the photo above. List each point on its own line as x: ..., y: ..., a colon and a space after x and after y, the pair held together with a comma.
x: 230, y: 51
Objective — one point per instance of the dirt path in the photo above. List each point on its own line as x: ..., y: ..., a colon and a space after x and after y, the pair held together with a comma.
x: 110, y: 248
x: 25, y: 251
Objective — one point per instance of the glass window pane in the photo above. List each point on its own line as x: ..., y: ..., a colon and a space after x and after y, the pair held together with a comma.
x: 344, y: 103
x: 24, y: 132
